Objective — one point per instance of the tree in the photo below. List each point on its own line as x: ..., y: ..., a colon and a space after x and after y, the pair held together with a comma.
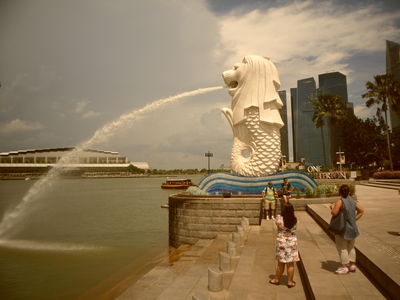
x: 395, y: 140
x: 363, y: 141
x: 384, y: 91
x: 331, y: 108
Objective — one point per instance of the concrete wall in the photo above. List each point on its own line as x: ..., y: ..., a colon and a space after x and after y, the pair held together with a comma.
x: 203, y: 217
x: 193, y: 217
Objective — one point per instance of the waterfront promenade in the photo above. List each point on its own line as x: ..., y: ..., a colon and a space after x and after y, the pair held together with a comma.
x: 184, y: 275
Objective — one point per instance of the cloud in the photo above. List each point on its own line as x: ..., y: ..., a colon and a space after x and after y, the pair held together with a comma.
x: 18, y: 125
x: 308, y: 38
x: 363, y: 112
x: 90, y: 114
x: 80, y: 106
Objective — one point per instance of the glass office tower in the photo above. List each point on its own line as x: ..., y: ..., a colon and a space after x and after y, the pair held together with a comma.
x: 393, y: 67
x: 284, y: 129
x: 293, y: 102
x: 310, y: 145
x: 334, y: 83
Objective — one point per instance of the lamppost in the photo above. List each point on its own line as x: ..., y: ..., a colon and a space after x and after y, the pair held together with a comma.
x: 283, y: 159
x: 208, y: 155
x: 341, y: 159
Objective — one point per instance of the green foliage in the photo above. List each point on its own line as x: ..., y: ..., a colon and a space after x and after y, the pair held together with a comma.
x: 135, y: 170
x: 324, y: 189
x: 395, y: 141
x: 384, y: 91
x: 185, y: 171
x: 363, y: 141
x: 330, y: 107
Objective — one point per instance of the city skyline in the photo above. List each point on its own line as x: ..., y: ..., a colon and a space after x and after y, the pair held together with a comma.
x: 63, y: 80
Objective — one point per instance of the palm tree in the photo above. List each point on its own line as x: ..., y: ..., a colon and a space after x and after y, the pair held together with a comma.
x: 331, y: 108
x: 384, y: 91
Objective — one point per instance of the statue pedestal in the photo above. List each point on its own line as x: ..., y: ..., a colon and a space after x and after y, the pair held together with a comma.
x: 219, y: 183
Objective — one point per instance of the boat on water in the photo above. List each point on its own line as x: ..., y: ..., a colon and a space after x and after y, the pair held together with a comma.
x: 176, y: 184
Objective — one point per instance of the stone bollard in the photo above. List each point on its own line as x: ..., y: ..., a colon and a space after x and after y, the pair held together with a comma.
x: 244, y: 225
x: 246, y: 220
x: 225, y: 262
x: 215, y: 283
x: 231, y: 248
x: 200, y: 296
x: 236, y: 238
x: 240, y: 230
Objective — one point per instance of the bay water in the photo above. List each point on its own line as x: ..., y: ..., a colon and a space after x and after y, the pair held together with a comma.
x: 83, y: 237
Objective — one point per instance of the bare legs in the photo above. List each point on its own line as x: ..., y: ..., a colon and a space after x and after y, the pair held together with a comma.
x: 290, y: 273
x: 279, y: 271
x: 269, y: 211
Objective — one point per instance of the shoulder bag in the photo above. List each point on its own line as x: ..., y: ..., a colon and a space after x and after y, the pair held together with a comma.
x: 338, y: 222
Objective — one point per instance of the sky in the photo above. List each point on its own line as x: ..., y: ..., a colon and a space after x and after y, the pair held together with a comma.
x: 69, y: 67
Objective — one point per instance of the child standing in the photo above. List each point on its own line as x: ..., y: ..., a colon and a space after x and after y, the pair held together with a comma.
x: 269, y: 195
x: 286, y: 249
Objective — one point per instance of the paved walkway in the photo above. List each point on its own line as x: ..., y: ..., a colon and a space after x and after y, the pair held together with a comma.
x: 379, y: 238
x: 382, y: 217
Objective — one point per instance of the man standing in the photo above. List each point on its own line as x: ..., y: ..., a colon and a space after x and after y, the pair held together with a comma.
x: 269, y: 195
x: 286, y: 190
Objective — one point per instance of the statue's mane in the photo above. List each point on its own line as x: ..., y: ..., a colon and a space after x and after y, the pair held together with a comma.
x: 258, y: 88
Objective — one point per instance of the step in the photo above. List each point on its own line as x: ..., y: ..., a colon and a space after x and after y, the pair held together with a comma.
x: 396, y: 181
x: 195, y: 279
x: 383, y: 186
x: 256, y: 267
x: 161, y: 277
x: 379, y: 261
x: 320, y: 260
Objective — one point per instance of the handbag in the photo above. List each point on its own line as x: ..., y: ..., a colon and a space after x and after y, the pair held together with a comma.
x: 338, y: 222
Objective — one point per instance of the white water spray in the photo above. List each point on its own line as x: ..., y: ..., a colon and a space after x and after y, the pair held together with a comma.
x: 11, y: 218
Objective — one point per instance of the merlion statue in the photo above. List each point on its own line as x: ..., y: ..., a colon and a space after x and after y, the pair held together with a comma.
x: 254, y: 116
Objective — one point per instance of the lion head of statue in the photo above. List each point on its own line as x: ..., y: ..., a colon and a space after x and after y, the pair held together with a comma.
x: 254, y: 82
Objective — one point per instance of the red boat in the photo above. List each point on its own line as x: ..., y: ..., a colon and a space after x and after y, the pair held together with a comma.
x: 177, y: 184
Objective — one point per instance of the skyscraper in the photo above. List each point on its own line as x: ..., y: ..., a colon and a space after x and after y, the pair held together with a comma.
x: 284, y: 129
x: 309, y: 142
x: 393, y: 67
x: 293, y: 102
x: 334, y: 83
x: 318, y: 146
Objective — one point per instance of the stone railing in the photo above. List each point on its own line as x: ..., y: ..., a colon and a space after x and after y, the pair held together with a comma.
x: 203, y: 217
x: 194, y: 217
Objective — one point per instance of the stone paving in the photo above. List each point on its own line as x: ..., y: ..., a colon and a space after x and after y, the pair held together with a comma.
x: 187, y: 276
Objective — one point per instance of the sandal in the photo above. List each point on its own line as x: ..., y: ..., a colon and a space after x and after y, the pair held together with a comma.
x: 274, y: 282
x: 290, y: 285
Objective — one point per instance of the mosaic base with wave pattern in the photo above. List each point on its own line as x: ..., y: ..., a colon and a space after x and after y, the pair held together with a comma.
x: 218, y: 183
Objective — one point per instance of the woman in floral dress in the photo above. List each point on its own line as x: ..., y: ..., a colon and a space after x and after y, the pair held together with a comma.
x: 286, y: 245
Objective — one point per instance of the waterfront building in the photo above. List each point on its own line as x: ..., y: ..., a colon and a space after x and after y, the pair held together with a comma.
x: 284, y: 129
x: 82, y: 159
x: 293, y: 102
x: 316, y: 146
x: 334, y: 83
x: 393, y: 67
x: 310, y: 147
